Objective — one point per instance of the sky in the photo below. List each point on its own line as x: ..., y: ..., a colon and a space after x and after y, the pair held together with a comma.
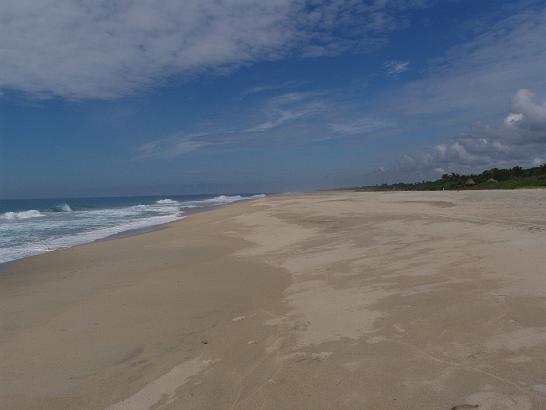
x: 139, y: 97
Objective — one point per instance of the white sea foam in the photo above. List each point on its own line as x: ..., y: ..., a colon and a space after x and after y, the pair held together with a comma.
x: 13, y: 216
x: 167, y: 201
x: 67, y: 241
x: 225, y: 199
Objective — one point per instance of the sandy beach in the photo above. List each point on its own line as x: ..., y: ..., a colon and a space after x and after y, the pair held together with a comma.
x: 336, y: 300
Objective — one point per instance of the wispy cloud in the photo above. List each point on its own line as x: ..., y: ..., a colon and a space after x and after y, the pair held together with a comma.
x: 291, y: 118
x: 288, y: 107
x: 173, y: 146
x: 264, y: 88
x: 476, y: 78
x: 360, y: 126
x: 396, y: 67
x: 103, y: 50
x: 281, y: 117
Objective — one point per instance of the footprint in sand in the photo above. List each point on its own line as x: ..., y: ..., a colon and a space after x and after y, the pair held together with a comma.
x: 239, y: 318
x: 321, y: 356
x: 398, y: 328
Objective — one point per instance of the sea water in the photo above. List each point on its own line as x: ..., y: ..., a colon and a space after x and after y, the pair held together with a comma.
x: 33, y: 226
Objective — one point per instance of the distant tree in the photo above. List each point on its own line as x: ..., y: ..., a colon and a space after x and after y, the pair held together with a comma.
x: 516, y: 172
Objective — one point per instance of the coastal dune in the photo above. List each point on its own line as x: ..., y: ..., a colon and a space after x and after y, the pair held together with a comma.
x: 335, y: 300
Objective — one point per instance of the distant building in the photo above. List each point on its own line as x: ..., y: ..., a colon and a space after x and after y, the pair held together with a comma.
x: 492, y: 180
x: 470, y: 182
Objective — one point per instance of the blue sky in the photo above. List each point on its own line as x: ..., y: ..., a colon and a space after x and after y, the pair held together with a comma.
x: 140, y: 97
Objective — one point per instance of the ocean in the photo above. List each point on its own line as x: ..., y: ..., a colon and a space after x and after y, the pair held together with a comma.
x: 33, y: 226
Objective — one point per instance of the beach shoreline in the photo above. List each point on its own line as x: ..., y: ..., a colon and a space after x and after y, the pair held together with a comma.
x: 395, y: 300
x: 29, y: 232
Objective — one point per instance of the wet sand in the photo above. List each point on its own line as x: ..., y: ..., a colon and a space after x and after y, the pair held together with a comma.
x: 342, y: 300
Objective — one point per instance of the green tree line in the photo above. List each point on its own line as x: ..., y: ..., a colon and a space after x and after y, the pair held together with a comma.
x: 494, y: 178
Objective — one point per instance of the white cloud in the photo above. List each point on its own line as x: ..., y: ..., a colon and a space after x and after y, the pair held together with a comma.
x: 527, y: 112
x: 396, y: 67
x: 105, y: 49
x: 512, y: 119
x: 521, y: 140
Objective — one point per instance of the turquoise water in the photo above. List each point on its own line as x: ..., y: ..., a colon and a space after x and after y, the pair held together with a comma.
x: 33, y: 226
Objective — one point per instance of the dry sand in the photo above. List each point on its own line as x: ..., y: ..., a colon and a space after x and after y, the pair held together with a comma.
x: 322, y: 301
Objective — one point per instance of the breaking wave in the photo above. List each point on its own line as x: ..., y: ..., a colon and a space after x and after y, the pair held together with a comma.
x: 49, y: 227
x: 12, y: 216
x: 226, y: 199
x: 167, y: 201
x: 64, y: 207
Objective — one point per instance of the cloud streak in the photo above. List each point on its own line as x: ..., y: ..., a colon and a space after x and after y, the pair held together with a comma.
x: 396, y: 67
x: 286, y: 108
x: 360, y: 126
x: 289, y: 118
x: 173, y: 146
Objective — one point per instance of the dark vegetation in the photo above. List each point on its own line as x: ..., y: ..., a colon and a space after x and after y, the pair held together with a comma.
x: 494, y: 178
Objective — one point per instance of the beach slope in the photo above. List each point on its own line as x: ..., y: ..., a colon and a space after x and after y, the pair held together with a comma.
x: 341, y: 300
